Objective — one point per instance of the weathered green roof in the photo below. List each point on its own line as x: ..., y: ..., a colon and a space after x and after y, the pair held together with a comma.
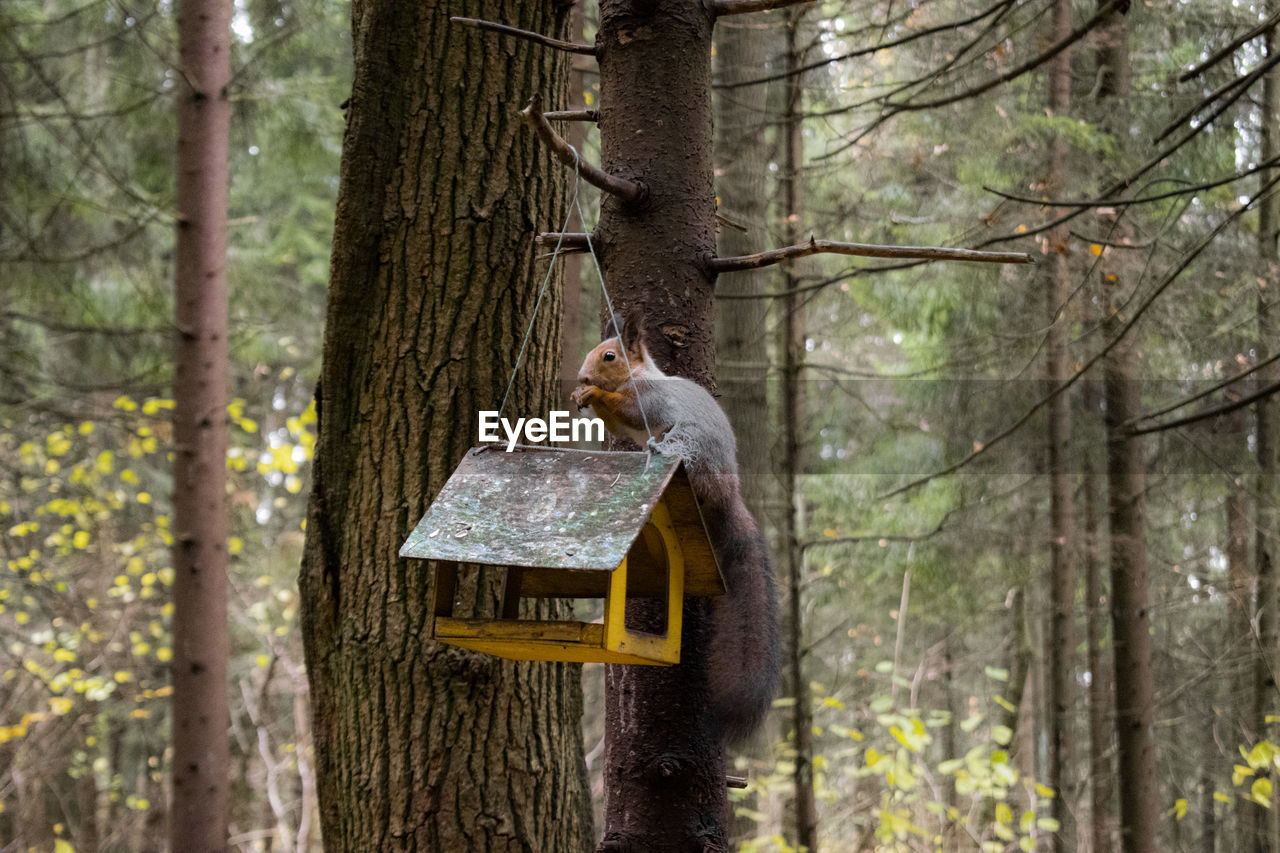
x: 560, y: 508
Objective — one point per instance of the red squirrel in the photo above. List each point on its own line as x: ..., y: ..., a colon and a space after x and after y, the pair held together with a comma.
x: 743, y: 658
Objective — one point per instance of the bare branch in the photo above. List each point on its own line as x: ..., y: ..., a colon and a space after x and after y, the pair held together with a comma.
x: 875, y: 48
x: 881, y: 538
x: 573, y: 115
x: 864, y: 250
x: 1144, y: 199
x: 559, y: 44
x: 1031, y: 64
x: 1124, y: 330
x: 1213, y: 412
x: 630, y: 191
x: 1230, y: 48
x: 889, y: 109
x: 739, y: 7
x: 1242, y: 83
x: 1218, y: 386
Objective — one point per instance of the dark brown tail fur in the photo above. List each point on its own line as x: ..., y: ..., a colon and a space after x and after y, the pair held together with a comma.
x: 744, y: 659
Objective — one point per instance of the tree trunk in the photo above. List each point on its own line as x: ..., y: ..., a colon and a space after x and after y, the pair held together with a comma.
x: 1240, y: 649
x: 201, y: 716
x: 1134, y: 683
x: 1267, y: 522
x: 1100, y: 772
x: 1060, y: 654
x: 793, y: 355
x: 741, y: 154
x: 664, y: 765
x: 421, y: 746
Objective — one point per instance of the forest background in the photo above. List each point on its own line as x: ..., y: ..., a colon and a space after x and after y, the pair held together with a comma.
x: 957, y: 682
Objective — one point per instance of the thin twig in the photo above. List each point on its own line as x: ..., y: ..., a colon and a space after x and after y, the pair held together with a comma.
x: 1230, y: 48
x: 630, y: 191
x: 1225, y: 408
x: 559, y: 44
x: 864, y: 250
x: 1145, y: 199
x: 1218, y: 386
x: 1243, y: 82
x: 950, y: 26
x: 890, y: 109
x: 886, y: 538
x: 739, y: 7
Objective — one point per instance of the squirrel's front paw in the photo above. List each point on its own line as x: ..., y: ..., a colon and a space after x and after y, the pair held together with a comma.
x: 583, y: 395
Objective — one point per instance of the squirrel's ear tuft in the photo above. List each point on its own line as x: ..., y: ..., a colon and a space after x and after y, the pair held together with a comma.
x: 632, y: 330
x: 613, y: 328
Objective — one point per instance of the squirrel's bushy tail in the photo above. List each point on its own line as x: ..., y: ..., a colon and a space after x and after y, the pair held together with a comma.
x: 744, y: 659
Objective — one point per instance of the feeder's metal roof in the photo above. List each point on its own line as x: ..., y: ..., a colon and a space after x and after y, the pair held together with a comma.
x: 561, y: 508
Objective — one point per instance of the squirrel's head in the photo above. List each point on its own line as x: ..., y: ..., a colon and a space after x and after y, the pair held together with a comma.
x: 605, y: 366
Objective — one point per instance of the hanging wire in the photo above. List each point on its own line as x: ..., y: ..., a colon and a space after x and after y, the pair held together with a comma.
x: 576, y: 203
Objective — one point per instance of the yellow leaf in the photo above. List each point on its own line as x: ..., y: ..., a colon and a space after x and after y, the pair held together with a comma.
x: 829, y: 533
x: 86, y: 428
x: 1095, y: 249
x: 235, y: 545
x: 61, y: 845
x: 81, y: 539
x: 1179, y: 810
x: 139, y: 714
x: 1261, y: 791
x: 1044, y: 790
x: 60, y: 705
x: 125, y: 403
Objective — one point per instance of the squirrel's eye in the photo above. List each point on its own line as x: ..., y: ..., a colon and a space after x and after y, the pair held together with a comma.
x: 610, y: 355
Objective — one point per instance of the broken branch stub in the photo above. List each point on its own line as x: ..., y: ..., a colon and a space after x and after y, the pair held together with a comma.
x: 629, y: 191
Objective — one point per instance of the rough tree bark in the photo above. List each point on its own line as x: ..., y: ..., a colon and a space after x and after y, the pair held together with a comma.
x: 201, y: 716
x: 664, y: 768
x: 422, y: 746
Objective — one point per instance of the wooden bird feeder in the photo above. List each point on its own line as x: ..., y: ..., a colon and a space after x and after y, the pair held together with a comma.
x: 567, y: 524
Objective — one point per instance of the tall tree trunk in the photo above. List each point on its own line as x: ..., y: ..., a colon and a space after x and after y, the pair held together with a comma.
x: 1060, y: 654
x: 793, y: 355
x: 1267, y: 522
x: 1240, y: 649
x: 741, y: 156
x: 1100, y: 772
x: 1126, y: 484
x: 1134, y: 682
x: 201, y: 716
x: 421, y: 746
x: 664, y: 765
x: 742, y: 361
